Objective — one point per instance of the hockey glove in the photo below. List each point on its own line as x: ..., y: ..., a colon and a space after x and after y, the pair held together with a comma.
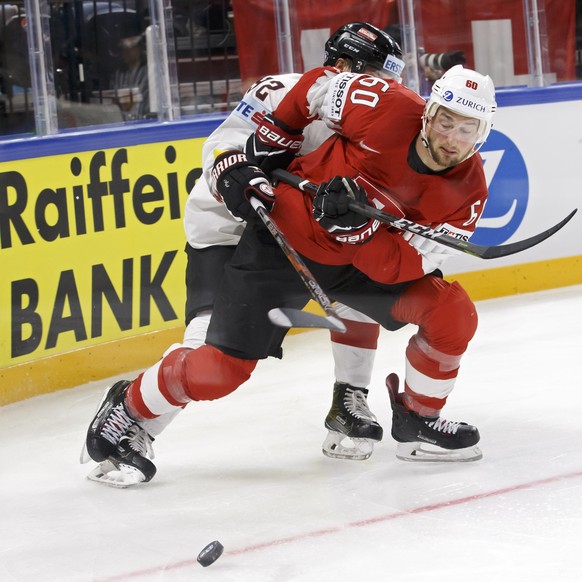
x: 235, y: 180
x: 273, y: 145
x: 331, y: 210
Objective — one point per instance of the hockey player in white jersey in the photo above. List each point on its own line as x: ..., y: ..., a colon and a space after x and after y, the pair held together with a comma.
x: 212, y: 235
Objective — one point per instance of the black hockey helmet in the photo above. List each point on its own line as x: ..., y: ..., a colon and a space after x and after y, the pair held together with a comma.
x: 366, y: 46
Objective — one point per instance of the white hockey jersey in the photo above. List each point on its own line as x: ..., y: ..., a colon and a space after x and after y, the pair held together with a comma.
x: 207, y: 222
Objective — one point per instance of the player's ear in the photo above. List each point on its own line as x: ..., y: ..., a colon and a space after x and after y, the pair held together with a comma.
x: 344, y: 65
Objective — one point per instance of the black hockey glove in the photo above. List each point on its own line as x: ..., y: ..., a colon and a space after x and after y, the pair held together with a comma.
x: 330, y: 209
x: 235, y: 180
x: 273, y: 145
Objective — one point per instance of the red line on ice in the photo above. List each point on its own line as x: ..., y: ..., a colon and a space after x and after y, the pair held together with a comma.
x: 363, y: 523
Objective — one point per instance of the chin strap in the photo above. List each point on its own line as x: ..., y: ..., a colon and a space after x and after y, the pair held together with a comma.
x: 423, y: 137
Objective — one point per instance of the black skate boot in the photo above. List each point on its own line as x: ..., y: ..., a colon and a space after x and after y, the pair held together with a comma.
x: 350, y: 418
x: 118, y: 443
x: 110, y: 423
x: 422, y: 438
x: 129, y: 464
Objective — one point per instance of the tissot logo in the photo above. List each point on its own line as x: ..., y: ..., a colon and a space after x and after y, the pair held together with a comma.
x: 508, y: 183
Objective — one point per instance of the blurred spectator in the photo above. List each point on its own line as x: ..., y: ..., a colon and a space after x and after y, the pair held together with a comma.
x: 432, y: 66
x: 435, y: 64
x: 200, y: 17
x: 14, y: 66
x: 130, y: 81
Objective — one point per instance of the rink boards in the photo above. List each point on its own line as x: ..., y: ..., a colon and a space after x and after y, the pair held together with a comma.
x: 91, y: 238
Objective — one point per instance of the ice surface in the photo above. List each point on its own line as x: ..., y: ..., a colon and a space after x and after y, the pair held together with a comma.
x: 248, y: 471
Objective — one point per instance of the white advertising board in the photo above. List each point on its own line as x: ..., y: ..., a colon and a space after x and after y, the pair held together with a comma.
x: 533, y: 164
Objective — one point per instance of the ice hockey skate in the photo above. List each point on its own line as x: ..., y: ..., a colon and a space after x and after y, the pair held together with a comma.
x: 129, y: 464
x: 118, y: 443
x: 353, y: 429
x: 429, y: 439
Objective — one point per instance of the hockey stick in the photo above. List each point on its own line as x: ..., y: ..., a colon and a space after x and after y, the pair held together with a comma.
x: 483, y: 252
x: 286, y: 316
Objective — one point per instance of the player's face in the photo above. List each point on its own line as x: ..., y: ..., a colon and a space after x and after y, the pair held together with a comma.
x: 451, y: 137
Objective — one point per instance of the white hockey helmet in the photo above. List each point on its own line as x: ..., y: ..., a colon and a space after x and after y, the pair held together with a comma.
x: 467, y: 93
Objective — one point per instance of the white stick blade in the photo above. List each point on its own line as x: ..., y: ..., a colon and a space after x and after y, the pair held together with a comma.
x: 287, y: 317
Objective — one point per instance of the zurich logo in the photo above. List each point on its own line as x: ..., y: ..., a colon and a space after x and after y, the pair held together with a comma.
x: 508, y: 184
x: 448, y: 95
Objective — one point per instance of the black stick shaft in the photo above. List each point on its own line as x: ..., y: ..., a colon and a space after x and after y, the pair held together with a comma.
x: 303, y: 271
x: 483, y: 252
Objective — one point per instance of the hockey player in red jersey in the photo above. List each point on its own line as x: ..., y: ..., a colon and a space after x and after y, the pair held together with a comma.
x: 213, y: 234
x: 392, y: 151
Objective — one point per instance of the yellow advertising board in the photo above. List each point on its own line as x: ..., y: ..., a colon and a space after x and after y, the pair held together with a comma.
x: 92, y: 247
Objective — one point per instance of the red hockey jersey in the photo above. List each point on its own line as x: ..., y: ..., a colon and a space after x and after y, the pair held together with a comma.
x: 377, y: 122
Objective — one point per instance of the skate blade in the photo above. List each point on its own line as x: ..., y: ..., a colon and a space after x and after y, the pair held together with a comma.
x: 423, y: 452
x: 84, y: 457
x: 336, y: 446
x: 121, y: 477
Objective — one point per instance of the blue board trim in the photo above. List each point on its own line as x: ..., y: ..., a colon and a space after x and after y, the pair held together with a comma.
x: 558, y: 93
x: 69, y: 142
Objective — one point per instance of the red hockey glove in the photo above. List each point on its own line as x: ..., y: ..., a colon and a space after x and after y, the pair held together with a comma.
x: 235, y: 180
x: 330, y: 209
x: 273, y: 145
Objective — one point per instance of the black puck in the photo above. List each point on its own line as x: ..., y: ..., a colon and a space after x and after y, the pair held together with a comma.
x: 210, y: 553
